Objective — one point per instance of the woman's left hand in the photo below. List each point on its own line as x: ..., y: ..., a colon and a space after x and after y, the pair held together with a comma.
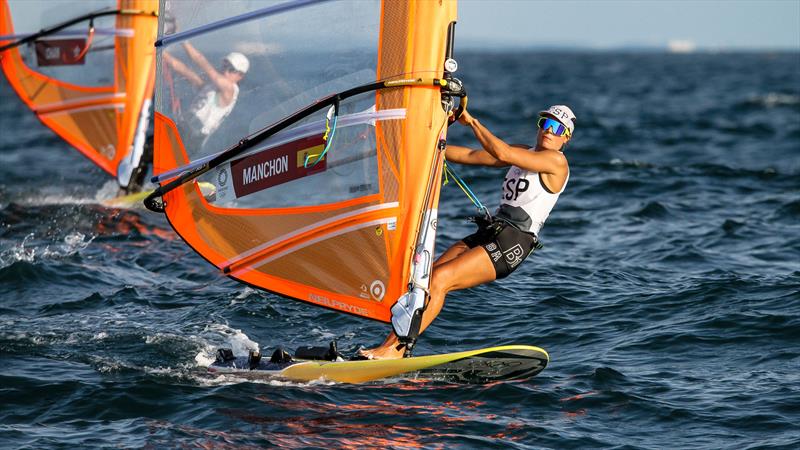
x: 466, y: 118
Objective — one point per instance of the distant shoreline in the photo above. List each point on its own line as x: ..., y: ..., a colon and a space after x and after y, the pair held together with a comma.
x: 467, y: 48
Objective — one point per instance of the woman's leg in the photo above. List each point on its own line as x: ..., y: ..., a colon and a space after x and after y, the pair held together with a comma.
x: 470, y: 268
x: 451, y: 253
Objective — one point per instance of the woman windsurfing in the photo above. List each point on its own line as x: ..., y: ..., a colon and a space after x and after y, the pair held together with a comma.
x: 537, y: 177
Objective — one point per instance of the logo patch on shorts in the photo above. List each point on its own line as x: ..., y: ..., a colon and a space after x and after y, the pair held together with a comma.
x: 514, y: 255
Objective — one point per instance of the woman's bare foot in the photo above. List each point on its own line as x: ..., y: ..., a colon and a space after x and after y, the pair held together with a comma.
x: 381, y: 352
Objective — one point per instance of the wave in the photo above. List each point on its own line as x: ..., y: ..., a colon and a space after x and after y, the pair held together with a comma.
x: 652, y: 210
x: 682, y: 171
x: 788, y: 212
x: 32, y: 250
x: 772, y: 100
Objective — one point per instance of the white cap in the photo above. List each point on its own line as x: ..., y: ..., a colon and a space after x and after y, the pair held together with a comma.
x: 238, y: 61
x: 563, y: 114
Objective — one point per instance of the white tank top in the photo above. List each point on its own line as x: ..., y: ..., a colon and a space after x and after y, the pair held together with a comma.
x: 526, y: 202
x: 208, y: 111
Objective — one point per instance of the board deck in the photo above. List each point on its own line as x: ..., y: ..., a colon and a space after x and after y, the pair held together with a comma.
x: 504, y: 363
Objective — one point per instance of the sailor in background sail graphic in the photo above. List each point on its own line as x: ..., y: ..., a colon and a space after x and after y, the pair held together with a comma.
x: 214, y: 98
x: 537, y: 177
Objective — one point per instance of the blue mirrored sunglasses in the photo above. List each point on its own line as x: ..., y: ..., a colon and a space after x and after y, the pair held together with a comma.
x: 556, y: 127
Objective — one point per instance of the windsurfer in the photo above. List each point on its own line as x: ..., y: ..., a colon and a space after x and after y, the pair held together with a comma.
x: 214, y: 98
x: 531, y: 188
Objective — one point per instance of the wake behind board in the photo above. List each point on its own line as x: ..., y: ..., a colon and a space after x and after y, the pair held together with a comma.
x: 504, y: 363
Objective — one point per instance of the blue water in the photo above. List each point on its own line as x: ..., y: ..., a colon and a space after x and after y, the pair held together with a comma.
x: 667, y: 294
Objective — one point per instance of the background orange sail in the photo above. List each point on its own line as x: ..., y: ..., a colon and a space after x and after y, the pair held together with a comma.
x: 345, y: 231
x: 90, y: 82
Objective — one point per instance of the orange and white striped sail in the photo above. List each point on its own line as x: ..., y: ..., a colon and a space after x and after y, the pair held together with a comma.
x: 91, y: 81
x: 340, y: 215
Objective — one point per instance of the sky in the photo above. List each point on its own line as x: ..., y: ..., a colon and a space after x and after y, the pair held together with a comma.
x: 612, y: 24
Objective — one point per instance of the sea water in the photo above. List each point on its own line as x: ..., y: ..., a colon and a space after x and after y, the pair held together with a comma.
x: 667, y: 293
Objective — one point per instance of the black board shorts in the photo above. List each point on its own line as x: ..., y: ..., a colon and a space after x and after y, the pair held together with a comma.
x: 506, y: 245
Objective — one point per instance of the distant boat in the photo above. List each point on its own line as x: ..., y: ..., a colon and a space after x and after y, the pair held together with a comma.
x: 681, y: 46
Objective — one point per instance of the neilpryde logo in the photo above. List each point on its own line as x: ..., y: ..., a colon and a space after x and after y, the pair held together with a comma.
x: 377, y: 290
x: 222, y: 177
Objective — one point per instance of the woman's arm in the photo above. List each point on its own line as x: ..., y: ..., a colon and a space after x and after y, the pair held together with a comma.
x: 224, y: 86
x: 183, y: 70
x: 464, y: 155
x: 542, y: 162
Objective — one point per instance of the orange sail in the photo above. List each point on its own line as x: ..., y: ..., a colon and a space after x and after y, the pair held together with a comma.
x: 326, y: 172
x: 87, y: 70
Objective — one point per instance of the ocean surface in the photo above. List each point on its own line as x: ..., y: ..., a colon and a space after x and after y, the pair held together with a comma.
x: 667, y: 293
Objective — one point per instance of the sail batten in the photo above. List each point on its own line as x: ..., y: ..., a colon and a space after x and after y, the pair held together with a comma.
x: 302, y: 131
x: 323, y: 229
x: 107, y: 101
x: 236, y: 20
x: 98, y: 31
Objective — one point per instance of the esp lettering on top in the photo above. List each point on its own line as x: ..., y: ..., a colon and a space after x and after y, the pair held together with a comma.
x: 514, y: 187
